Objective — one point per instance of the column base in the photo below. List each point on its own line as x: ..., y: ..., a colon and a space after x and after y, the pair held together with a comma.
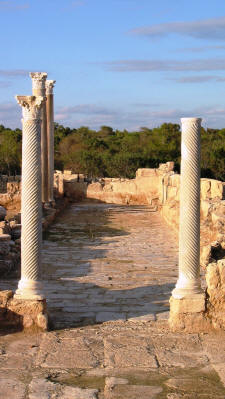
x: 29, y: 289
x: 186, y: 287
x: 188, y: 313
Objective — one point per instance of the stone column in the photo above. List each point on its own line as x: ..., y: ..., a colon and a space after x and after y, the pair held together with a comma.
x: 50, y: 136
x: 188, y: 297
x: 38, y: 89
x: 30, y: 286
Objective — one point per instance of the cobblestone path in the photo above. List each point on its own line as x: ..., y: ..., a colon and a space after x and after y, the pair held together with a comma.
x: 105, y: 262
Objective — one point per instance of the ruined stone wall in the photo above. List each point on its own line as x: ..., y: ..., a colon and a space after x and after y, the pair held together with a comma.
x: 157, y: 187
x: 11, y: 200
x: 212, y: 248
x: 4, y: 179
x: 161, y: 187
x: 145, y: 189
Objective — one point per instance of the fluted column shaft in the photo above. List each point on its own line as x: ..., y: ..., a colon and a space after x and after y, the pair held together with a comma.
x: 38, y: 89
x: 189, y: 233
x: 30, y: 286
x: 50, y: 136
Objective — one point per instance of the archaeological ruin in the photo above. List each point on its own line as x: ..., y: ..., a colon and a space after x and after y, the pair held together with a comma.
x: 104, y: 296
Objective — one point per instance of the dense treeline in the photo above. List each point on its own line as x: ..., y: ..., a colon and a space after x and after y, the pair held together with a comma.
x: 109, y: 152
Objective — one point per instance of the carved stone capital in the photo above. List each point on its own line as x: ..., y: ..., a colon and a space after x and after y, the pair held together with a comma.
x: 38, y: 80
x: 49, y: 84
x: 31, y: 106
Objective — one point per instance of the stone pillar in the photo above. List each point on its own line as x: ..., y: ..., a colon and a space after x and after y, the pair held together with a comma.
x: 188, y: 298
x: 38, y: 89
x: 30, y: 286
x: 50, y: 136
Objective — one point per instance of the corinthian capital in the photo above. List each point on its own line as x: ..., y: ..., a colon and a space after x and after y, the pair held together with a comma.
x: 49, y: 84
x: 31, y: 106
x: 38, y: 79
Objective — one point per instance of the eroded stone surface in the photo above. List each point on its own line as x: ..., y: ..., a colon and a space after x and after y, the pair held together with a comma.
x: 11, y: 389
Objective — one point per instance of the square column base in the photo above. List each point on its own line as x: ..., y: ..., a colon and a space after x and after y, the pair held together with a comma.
x: 23, y: 314
x: 188, y: 314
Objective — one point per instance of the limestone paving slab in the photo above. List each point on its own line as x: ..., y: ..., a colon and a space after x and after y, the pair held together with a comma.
x: 126, y: 351
x: 179, y: 350
x: 69, y: 353
x: 50, y: 390
x: 73, y: 362
x: 12, y: 388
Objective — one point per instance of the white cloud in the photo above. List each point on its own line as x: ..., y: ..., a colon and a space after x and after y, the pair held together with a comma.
x: 209, y: 29
x: 123, y: 119
x: 13, y: 5
x: 200, y: 49
x: 10, y: 116
x: 14, y: 73
x: 207, y: 64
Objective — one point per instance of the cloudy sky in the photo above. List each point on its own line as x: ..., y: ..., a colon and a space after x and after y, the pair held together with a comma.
x: 122, y: 63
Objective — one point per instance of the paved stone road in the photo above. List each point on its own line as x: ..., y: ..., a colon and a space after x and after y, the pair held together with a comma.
x: 115, y: 264
x: 108, y: 262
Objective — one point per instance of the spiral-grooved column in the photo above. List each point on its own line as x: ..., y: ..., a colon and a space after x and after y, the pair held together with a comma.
x: 188, y: 298
x: 50, y: 136
x: 30, y: 286
x: 189, y: 232
x: 38, y: 89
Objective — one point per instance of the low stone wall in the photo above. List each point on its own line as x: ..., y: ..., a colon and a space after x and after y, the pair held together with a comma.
x: 145, y: 189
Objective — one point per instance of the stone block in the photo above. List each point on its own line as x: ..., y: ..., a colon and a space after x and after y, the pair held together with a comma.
x: 93, y: 188
x: 170, y: 166
x: 125, y: 187
x: 217, y: 189
x: 13, y: 187
x: 205, y: 207
x: 174, y: 180
x: 212, y: 276
x: 129, y: 351
x: 148, y: 185
x: 205, y: 255
x: 205, y: 189
x: 171, y: 192
x: 5, y: 296
x: 31, y: 313
x: 146, y: 172
x: 108, y: 187
x: 192, y: 304
x: 217, y: 218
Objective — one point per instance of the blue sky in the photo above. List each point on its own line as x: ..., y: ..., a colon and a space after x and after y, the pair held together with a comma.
x: 121, y: 63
